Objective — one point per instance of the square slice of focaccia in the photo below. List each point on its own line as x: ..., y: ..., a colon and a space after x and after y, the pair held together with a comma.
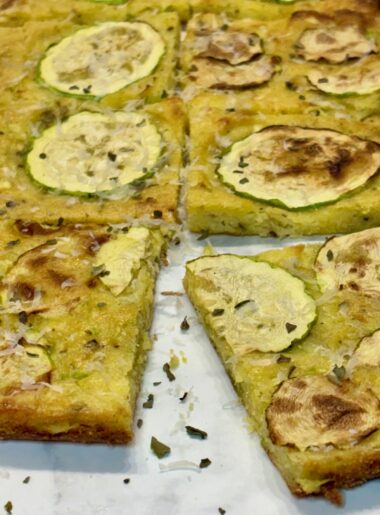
x: 285, y: 175
x: 90, y: 163
x: 310, y: 60
x: 107, y: 59
x: 76, y: 308
x: 298, y: 332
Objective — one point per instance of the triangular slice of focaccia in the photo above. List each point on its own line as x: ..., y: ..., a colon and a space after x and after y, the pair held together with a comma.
x: 297, y: 331
x: 75, y: 312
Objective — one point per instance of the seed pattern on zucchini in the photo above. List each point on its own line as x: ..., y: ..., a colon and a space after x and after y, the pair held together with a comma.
x: 254, y: 306
x: 298, y: 168
x: 100, y: 60
x: 91, y: 153
x: 350, y: 262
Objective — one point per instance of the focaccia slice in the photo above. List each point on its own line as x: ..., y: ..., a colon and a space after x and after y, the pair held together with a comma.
x: 75, y: 312
x: 286, y: 175
x: 91, y: 164
x: 303, y: 361
x: 307, y: 61
x: 114, y: 52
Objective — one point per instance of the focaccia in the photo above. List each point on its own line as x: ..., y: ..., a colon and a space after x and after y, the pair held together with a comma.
x: 308, y: 61
x: 297, y: 330
x: 288, y: 175
x: 75, y: 312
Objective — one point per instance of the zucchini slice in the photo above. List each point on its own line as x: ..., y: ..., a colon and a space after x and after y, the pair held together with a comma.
x: 92, y: 153
x: 229, y: 45
x: 24, y: 368
x: 298, y: 168
x: 121, y: 257
x: 50, y: 278
x: 100, y: 60
x: 212, y: 73
x: 350, y: 262
x: 311, y: 412
x: 334, y: 44
x: 351, y: 80
x: 252, y: 305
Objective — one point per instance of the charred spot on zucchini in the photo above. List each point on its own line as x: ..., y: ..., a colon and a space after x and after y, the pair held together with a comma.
x: 258, y: 301
x: 311, y: 412
x: 297, y: 168
x: 80, y: 153
x: 102, y: 59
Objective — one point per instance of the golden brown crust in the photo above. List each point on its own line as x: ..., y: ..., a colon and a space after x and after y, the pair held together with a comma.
x: 81, y: 435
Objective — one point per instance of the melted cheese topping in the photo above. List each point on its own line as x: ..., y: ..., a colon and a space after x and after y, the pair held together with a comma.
x: 351, y: 262
x: 334, y: 44
x: 100, y: 60
x: 311, y: 412
x: 93, y: 152
x: 296, y: 167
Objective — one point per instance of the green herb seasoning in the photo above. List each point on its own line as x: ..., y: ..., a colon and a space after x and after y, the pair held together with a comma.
x: 148, y: 404
x: 168, y: 372
x: 160, y: 449
x: 197, y: 433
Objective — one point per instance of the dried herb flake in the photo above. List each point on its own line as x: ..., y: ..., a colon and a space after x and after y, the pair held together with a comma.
x: 160, y: 449
x: 13, y: 243
x: 139, y: 422
x: 23, y: 317
x: 329, y: 255
x: 183, y: 397
x: 242, y: 303
x: 283, y: 359
x: 197, y: 433
x: 185, y: 326
x: 217, y: 312
x: 26, y: 480
x: 148, y: 404
x: 126, y: 480
x: 290, y: 327
x: 168, y: 372
x: 8, y: 507
x: 205, y: 462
